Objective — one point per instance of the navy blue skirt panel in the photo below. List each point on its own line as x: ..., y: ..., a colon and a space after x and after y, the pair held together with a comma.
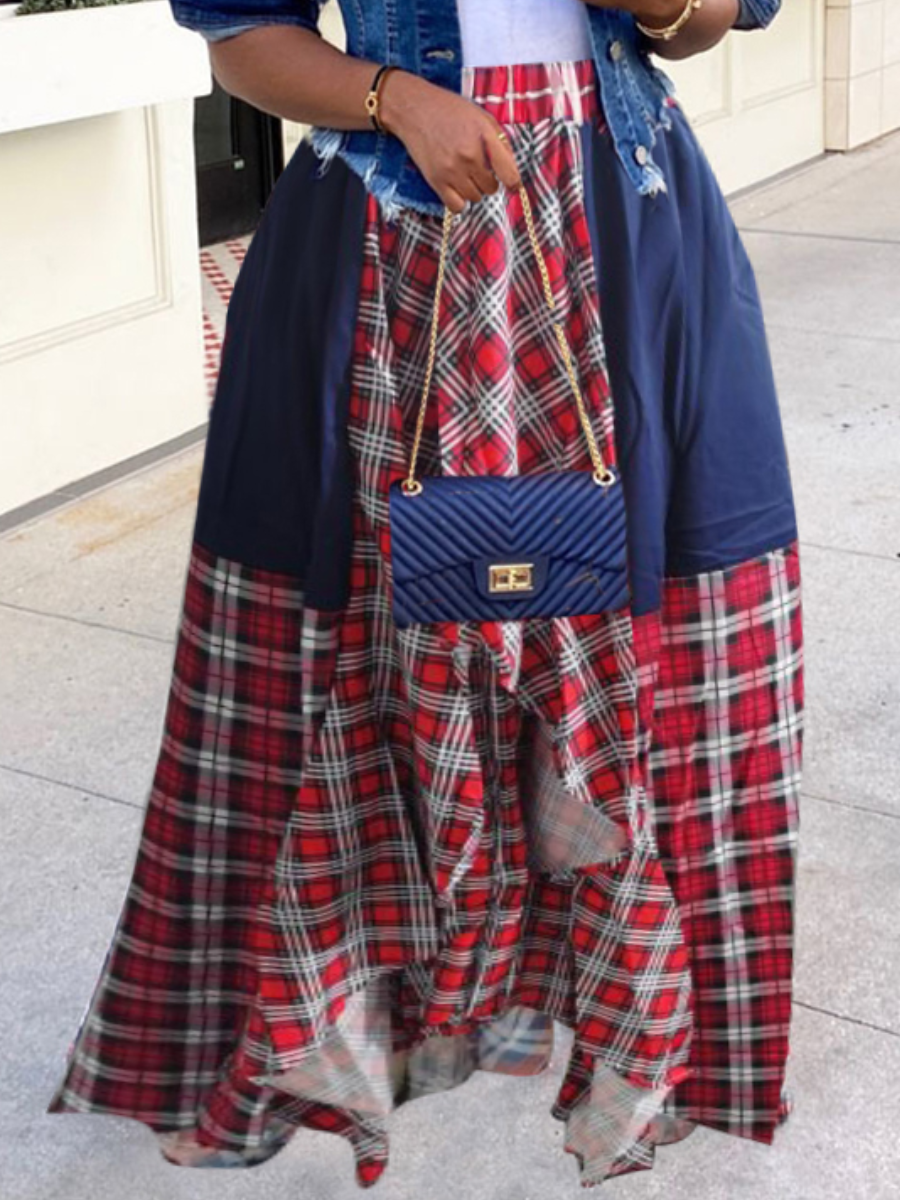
x: 276, y: 484
x: 698, y: 428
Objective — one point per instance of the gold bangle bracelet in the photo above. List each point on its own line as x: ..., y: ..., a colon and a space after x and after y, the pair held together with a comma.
x: 666, y: 34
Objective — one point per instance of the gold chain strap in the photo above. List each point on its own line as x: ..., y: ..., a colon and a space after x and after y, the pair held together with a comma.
x: 603, y: 475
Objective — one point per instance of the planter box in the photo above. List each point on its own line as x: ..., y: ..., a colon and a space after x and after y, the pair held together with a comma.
x: 101, y: 346
x: 89, y: 61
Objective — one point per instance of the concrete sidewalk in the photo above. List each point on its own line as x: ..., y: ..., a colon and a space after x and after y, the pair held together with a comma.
x: 89, y: 600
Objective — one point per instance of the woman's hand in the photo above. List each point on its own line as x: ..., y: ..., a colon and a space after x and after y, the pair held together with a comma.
x: 706, y: 27
x: 294, y: 73
x: 459, y: 148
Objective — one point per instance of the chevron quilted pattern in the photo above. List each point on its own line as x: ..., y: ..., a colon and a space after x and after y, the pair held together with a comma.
x: 570, y: 532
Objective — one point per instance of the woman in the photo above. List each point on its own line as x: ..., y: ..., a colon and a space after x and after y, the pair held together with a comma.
x: 380, y: 854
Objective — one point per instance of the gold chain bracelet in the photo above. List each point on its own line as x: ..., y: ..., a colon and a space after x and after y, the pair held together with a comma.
x: 666, y: 34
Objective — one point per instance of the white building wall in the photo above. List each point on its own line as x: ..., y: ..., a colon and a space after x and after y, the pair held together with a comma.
x: 101, y: 353
x: 757, y: 99
x: 862, y: 71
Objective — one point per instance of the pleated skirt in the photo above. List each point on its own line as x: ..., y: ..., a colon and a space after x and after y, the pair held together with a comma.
x: 374, y: 860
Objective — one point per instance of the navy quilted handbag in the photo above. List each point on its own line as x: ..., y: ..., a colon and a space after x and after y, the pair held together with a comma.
x: 498, y: 548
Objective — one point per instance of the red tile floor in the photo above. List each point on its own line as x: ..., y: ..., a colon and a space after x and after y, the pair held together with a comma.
x: 219, y: 265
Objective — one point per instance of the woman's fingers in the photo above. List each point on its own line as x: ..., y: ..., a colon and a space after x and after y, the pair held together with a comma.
x: 469, y: 188
x: 452, y: 199
x: 490, y: 165
x: 477, y: 160
x: 470, y: 185
x: 461, y: 150
x: 483, y: 178
x: 501, y: 157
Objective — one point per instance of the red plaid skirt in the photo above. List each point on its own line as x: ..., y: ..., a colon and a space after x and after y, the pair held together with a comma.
x: 374, y: 860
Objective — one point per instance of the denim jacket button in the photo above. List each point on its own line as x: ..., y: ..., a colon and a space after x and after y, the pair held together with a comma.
x: 615, y: 50
x: 445, y: 55
x: 641, y: 154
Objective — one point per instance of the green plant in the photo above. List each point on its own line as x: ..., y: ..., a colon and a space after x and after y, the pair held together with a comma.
x: 46, y: 6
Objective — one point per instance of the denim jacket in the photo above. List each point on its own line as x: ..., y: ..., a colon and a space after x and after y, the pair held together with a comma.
x: 424, y: 36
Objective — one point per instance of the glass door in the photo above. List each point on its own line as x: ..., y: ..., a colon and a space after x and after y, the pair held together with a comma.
x: 239, y: 157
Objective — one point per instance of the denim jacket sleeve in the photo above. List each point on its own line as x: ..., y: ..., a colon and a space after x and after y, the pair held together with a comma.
x: 225, y: 18
x: 217, y: 19
x: 756, y: 14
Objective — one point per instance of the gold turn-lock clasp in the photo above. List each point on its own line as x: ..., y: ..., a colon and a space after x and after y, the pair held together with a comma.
x: 511, y: 577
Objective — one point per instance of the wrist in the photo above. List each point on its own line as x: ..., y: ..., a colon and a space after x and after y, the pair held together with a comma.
x: 664, y: 33
x: 660, y: 15
x: 398, y: 101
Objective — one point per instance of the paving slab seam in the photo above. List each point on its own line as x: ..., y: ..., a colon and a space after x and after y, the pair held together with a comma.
x: 822, y: 237
x: 87, y: 792
x: 827, y: 1012
x: 820, y: 331
x: 850, y: 550
x: 861, y: 808
x: 37, y: 612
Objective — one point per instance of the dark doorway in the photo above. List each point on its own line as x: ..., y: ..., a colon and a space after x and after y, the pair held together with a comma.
x: 239, y: 157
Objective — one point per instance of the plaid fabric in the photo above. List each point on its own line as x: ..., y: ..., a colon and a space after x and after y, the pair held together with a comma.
x: 723, y: 690
x: 408, y: 847
x: 374, y: 861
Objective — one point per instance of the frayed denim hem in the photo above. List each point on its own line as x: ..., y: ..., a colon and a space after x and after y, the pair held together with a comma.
x: 329, y: 144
